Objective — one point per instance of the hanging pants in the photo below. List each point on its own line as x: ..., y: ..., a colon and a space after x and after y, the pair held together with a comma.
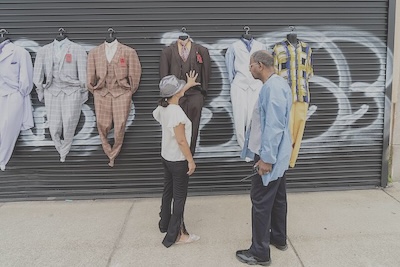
x: 297, y: 123
x: 63, y: 112
x: 11, y: 118
x: 112, y: 110
x: 243, y: 102
x: 176, y: 182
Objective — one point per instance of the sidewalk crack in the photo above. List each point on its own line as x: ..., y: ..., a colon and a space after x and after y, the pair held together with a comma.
x: 295, y: 252
x: 121, y: 233
x: 391, y: 196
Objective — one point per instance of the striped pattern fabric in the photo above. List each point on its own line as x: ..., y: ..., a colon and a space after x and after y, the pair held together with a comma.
x: 294, y: 63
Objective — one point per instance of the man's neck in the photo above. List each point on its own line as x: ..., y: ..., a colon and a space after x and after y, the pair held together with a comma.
x: 267, y: 75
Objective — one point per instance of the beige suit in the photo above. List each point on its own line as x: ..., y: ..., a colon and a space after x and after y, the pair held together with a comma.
x: 112, y: 85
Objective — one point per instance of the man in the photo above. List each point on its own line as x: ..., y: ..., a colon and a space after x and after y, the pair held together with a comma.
x: 268, y: 142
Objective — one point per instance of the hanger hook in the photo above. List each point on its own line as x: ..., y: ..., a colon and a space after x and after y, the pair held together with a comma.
x: 247, y: 29
x: 183, y: 30
x: 61, y: 30
x: 3, y: 31
x: 292, y: 28
x: 112, y: 31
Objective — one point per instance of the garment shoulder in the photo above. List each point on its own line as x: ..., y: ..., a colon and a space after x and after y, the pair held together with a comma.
x: 199, y: 47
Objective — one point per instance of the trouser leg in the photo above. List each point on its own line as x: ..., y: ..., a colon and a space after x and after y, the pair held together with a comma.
x: 297, y: 123
x: 279, y: 215
x: 262, y: 198
x: 53, y: 106
x: 165, y: 213
x: 71, y: 111
x: 120, y: 112
x: 239, y: 109
x: 103, y: 109
x: 10, y: 125
x: 180, y: 181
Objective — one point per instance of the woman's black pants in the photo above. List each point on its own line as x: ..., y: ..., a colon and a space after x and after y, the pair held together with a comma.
x: 176, y: 182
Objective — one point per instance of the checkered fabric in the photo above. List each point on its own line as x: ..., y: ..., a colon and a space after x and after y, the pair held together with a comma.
x: 126, y: 67
x: 112, y: 85
x: 294, y: 63
x: 109, y: 110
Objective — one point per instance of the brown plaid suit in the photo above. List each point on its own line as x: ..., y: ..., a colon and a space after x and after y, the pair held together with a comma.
x: 112, y: 85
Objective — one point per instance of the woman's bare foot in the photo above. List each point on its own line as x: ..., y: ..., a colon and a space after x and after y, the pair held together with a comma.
x: 186, y: 239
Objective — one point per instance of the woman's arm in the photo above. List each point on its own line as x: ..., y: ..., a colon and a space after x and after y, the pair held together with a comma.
x: 184, y: 147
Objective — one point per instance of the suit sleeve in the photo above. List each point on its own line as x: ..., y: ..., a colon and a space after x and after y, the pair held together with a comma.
x: 230, y: 63
x: 206, y: 69
x: 135, y: 70
x: 273, y: 109
x: 165, y: 63
x: 91, y: 72
x: 26, y: 74
x: 38, y: 73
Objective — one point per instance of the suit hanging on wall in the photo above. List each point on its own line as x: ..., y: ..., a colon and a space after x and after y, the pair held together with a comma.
x: 60, y: 79
x: 15, y: 102
x: 287, y: 53
x: 113, y: 76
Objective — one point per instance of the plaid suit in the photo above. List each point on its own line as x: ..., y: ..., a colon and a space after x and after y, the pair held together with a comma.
x: 60, y: 80
x: 112, y: 85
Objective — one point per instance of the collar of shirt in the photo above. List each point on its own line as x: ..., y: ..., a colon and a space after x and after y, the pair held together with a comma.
x: 111, y: 48
x: 248, y: 43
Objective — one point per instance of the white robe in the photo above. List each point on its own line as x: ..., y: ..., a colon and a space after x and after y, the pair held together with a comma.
x: 15, y: 103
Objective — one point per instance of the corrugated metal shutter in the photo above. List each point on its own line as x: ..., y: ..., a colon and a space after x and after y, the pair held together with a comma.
x: 344, y: 135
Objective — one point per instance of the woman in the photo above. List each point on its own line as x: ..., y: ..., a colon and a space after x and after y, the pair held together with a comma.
x: 176, y: 157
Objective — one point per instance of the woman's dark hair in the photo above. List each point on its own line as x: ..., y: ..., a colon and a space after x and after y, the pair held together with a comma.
x: 164, y: 102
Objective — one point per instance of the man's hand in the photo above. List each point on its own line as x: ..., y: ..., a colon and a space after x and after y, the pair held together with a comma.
x: 263, y: 167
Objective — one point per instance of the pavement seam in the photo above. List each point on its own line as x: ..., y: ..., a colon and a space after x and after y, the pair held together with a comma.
x: 391, y: 196
x: 295, y: 252
x: 121, y: 233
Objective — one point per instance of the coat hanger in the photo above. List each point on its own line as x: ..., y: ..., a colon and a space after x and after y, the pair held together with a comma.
x: 247, y: 35
x: 111, y: 38
x: 62, y: 34
x: 2, y: 37
x: 292, y: 36
x: 183, y: 35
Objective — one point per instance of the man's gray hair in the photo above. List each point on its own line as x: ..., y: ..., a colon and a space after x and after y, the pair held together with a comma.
x: 263, y: 57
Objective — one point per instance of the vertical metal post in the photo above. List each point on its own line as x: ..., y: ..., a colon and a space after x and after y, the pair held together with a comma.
x: 388, y: 94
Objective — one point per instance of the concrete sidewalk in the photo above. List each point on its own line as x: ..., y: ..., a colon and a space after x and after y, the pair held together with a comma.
x: 348, y: 228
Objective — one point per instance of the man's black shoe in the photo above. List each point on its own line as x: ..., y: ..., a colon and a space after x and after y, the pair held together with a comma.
x: 280, y: 247
x: 246, y: 257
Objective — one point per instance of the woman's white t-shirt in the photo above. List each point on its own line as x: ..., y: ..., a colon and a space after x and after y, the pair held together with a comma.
x: 170, y: 117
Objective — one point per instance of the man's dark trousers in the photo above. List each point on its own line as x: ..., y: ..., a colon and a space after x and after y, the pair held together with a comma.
x: 269, y: 213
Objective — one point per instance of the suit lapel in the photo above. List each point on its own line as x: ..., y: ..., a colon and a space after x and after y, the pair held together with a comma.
x: 117, y: 54
x: 175, y: 53
x: 8, y: 50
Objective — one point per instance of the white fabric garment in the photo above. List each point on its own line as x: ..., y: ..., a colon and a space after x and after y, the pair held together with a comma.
x: 15, y: 103
x: 244, y: 88
x: 111, y: 48
x: 170, y: 117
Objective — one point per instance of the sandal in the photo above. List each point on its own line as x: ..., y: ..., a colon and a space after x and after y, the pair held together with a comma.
x: 192, y: 238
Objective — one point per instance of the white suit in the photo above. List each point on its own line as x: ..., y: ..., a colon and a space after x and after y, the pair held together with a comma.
x: 15, y: 102
x: 244, y: 88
